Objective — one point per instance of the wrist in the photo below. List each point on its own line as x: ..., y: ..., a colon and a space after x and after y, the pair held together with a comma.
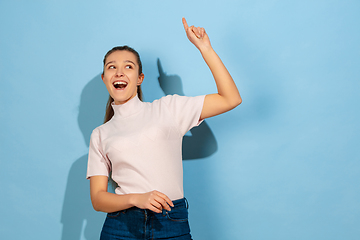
x: 205, y: 49
x: 207, y: 53
x: 132, y: 200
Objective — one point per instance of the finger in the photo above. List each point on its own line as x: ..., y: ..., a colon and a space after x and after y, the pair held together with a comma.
x: 199, y: 31
x: 163, y: 203
x: 169, y: 201
x: 154, y: 209
x: 166, y: 198
x: 195, y: 31
x: 155, y: 203
x: 186, y: 26
x: 202, y: 32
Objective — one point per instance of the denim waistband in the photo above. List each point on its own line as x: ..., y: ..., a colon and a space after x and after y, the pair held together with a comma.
x: 182, y: 202
x: 179, y: 203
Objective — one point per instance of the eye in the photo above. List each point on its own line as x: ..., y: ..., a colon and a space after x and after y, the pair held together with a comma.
x: 111, y: 67
x: 129, y: 66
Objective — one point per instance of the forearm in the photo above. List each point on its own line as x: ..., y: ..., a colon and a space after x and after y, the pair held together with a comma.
x: 109, y: 202
x: 225, y: 84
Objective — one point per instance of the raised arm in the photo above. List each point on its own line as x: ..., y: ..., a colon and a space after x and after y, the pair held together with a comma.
x: 228, y: 96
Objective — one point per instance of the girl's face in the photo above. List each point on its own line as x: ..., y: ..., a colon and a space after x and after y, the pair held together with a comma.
x: 121, y: 76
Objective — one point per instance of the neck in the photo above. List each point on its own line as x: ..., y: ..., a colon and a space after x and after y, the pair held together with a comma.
x: 130, y: 107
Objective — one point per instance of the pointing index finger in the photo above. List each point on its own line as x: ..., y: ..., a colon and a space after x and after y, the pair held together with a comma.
x: 185, y: 24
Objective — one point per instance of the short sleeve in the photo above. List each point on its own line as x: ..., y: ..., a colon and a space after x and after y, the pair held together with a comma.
x: 98, y: 164
x: 185, y: 110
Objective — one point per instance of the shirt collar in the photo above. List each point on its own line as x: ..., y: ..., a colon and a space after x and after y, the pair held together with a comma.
x: 127, y: 109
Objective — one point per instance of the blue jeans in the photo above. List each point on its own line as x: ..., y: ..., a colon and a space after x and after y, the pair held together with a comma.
x: 136, y: 223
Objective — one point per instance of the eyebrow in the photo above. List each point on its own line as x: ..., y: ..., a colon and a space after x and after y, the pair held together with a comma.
x: 124, y: 61
x: 130, y: 62
x: 109, y: 63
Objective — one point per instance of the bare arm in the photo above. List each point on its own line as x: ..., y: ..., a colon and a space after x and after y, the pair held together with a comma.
x: 228, y: 96
x: 104, y: 201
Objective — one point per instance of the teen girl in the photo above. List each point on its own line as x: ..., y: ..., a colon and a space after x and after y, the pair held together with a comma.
x: 140, y: 146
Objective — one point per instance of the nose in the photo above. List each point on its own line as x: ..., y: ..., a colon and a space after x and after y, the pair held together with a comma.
x: 119, y: 73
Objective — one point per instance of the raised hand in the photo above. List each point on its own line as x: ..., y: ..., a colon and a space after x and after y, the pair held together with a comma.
x: 228, y: 95
x: 197, y: 36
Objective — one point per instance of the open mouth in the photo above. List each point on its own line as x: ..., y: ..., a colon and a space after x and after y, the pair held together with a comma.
x: 120, y: 84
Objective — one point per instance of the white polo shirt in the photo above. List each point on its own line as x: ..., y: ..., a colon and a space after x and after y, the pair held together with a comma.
x: 141, y: 144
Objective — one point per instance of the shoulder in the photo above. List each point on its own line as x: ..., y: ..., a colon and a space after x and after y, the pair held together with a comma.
x: 177, y: 99
x: 175, y: 104
x: 167, y: 102
x: 165, y: 99
x: 103, y: 127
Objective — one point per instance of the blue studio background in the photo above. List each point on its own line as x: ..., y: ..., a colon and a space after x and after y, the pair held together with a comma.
x: 283, y: 165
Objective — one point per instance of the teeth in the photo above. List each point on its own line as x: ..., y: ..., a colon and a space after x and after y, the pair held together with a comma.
x: 120, y: 84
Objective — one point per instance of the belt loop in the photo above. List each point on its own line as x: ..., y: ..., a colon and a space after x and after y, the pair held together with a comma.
x: 187, y: 203
x: 145, y: 214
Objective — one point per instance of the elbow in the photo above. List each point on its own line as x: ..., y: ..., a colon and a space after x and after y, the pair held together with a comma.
x: 96, y: 207
x: 96, y: 203
x: 239, y: 101
x: 236, y: 102
x: 100, y: 209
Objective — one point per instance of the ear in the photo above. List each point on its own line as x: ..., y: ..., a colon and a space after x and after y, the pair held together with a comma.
x: 102, y: 76
x: 140, y: 79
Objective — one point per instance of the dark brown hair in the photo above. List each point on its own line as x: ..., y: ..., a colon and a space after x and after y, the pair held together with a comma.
x: 109, y: 110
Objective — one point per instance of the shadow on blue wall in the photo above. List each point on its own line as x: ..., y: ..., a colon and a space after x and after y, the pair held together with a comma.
x: 77, y: 213
x: 202, y: 141
x: 77, y: 210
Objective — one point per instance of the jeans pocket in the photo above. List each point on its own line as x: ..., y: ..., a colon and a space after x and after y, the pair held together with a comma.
x: 178, y: 214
